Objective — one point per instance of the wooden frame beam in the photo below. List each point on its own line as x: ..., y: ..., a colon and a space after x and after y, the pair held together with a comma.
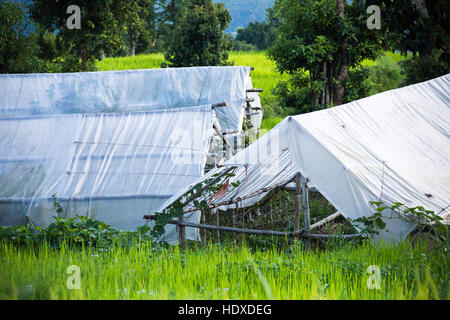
x: 299, y: 233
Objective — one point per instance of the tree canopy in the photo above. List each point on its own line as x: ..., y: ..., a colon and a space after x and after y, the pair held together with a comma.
x: 199, y: 38
x: 307, y: 50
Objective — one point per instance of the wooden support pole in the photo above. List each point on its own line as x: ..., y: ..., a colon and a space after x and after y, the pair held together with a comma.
x: 305, y: 206
x: 181, y: 233
x: 254, y: 90
x: 298, y: 202
x: 299, y: 233
x: 203, y: 231
x: 218, y: 225
x: 228, y: 147
x: 236, y: 200
x: 305, y: 203
x: 218, y: 105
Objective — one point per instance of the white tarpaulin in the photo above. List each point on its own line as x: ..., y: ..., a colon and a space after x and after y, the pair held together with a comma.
x: 390, y: 147
x: 114, y: 167
x: 128, y: 91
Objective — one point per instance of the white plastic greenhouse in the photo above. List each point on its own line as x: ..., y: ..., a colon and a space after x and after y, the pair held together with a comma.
x: 110, y: 145
x: 390, y: 147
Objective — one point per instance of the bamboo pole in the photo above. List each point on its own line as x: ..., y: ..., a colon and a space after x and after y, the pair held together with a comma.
x: 305, y: 206
x: 181, y: 233
x: 251, y: 195
x: 254, y: 90
x: 218, y: 224
x: 228, y: 147
x: 305, y: 203
x: 299, y: 233
x: 326, y: 220
x: 218, y: 105
x: 298, y: 202
x: 203, y: 231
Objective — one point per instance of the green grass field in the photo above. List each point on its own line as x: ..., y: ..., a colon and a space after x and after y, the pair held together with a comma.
x: 214, y: 272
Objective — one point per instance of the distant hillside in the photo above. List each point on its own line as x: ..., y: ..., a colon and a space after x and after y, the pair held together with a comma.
x: 245, y: 11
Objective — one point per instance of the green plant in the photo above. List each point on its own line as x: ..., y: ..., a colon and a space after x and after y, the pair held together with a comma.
x: 199, y: 39
x: 144, y: 271
x: 306, y: 47
x: 419, y: 215
x: 74, y: 232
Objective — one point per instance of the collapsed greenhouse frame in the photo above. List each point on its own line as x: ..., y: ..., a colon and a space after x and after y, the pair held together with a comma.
x: 354, y: 154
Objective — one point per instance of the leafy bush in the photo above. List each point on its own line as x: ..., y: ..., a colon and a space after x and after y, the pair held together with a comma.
x: 295, y: 93
x: 386, y: 73
x: 76, y: 231
x: 243, y: 46
x: 418, y: 69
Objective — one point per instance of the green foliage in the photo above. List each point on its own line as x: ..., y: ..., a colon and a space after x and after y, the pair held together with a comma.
x: 260, y: 34
x: 294, y: 92
x: 74, y: 232
x: 418, y: 69
x: 423, y: 29
x: 140, y: 25
x: 143, y: 271
x: 102, y: 27
x: 199, y: 38
x: 242, y: 46
x: 417, y: 26
x: 357, y: 85
x: 170, y: 14
x: 386, y: 73
x: 419, y: 215
x: 306, y: 49
x: 19, y: 42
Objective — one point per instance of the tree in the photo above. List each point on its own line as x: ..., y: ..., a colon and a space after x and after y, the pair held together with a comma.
x: 140, y: 24
x: 102, y: 26
x: 199, y: 38
x: 170, y: 12
x: 318, y: 42
x: 422, y: 28
x: 260, y: 34
x: 19, y: 42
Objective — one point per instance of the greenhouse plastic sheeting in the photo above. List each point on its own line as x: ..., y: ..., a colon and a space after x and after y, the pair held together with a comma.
x: 114, y: 167
x: 390, y: 147
x: 127, y: 91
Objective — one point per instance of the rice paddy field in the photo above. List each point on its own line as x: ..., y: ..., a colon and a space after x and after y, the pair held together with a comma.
x: 346, y: 271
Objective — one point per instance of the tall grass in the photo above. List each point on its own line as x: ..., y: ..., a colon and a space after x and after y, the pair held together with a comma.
x: 214, y: 272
